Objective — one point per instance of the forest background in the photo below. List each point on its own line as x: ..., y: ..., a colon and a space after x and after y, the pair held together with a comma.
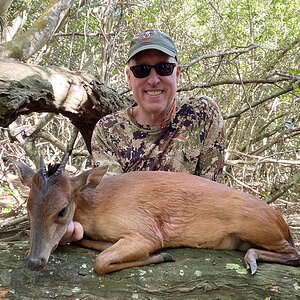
x: 244, y: 54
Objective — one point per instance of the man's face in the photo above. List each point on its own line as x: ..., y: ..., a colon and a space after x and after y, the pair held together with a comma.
x: 154, y: 93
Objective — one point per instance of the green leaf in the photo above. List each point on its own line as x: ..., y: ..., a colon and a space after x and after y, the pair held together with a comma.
x: 237, y: 268
x: 7, y: 209
x: 297, y: 90
x: 294, y: 71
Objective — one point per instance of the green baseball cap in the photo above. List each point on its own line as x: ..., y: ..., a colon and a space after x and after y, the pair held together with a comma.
x: 152, y: 39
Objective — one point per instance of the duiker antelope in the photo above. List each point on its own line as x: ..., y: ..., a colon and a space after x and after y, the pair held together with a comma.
x: 133, y: 215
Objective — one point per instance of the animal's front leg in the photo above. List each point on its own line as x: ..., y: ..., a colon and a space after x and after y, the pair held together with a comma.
x: 95, y: 245
x: 127, y: 254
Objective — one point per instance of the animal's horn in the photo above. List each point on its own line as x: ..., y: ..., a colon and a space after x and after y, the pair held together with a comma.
x: 62, y: 165
x: 43, y: 167
x: 68, y: 152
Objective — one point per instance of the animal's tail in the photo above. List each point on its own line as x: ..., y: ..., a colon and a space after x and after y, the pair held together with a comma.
x: 291, y: 241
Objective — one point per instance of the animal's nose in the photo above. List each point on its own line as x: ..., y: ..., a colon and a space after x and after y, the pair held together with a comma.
x: 36, y: 264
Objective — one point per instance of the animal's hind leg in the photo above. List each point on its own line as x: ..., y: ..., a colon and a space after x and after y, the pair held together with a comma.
x: 291, y: 258
x: 127, y: 254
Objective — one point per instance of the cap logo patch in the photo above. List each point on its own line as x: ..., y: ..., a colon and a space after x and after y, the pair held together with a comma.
x: 146, y: 35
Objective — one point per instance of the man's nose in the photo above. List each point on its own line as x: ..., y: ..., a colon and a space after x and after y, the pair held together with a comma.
x: 153, y: 78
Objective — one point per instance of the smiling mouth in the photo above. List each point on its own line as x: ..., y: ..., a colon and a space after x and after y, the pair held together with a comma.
x: 154, y: 93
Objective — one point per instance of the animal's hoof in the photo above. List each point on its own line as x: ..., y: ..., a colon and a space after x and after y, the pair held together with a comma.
x: 167, y: 257
x: 250, y: 260
x: 253, y: 268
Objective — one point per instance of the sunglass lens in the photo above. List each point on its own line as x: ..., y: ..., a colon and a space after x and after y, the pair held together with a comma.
x: 141, y: 71
x: 164, y: 69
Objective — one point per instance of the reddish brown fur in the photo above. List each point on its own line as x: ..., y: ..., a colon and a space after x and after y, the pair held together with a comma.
x: 139, y: 213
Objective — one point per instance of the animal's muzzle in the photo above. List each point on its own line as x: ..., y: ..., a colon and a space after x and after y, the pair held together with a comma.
x: 36, y: 264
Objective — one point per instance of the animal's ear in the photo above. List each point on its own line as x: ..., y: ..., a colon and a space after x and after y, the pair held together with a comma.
x: 89, y: 179
x: 95, y: 176
x: 25, y: 173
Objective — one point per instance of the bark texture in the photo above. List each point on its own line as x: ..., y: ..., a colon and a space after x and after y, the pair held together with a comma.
x: 196, y: 274
x: 81, y: 97
x: 24, y: 45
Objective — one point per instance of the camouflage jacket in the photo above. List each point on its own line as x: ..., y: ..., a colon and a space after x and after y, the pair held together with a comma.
x: 192, y: 141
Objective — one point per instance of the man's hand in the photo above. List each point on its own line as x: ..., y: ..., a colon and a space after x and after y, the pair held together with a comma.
x: 73, y: 233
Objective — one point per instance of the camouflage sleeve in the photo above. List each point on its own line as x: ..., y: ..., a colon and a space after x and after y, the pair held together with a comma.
x: 211, y: 159
x: 102, y: 151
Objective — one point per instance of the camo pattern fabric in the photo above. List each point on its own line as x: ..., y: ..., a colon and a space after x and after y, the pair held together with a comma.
x: 192, y: 141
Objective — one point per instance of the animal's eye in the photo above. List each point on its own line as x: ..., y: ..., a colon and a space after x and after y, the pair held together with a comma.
x: 62, y: 213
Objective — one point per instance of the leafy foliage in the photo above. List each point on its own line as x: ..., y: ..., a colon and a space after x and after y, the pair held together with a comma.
x: 244, y: 54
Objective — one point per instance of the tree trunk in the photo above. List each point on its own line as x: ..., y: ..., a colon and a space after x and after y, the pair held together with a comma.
x: 4, y: 5
x: 81, y: 97
x: 24, y: 45
x: 196, y: 274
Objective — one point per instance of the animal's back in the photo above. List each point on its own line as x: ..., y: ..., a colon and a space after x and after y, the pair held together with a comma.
x: 178, y: 209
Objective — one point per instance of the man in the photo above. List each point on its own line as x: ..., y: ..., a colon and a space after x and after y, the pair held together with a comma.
x: 159, y: 132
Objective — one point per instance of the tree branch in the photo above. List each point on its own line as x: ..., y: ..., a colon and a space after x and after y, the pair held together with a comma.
x: 81, y: 97
x: 235, y: 81
x: 295, y: 179
x: 24, y: 45
x: 223, y: 53
x: 288, y: 133
x: 245, y: 108
x: 4, y: 5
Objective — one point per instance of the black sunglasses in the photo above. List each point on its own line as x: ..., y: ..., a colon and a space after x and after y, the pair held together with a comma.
x: 142, y: 71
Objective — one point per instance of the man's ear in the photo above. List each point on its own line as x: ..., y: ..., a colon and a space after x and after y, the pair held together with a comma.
x: 128, y: 74
x: 178, y: 72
